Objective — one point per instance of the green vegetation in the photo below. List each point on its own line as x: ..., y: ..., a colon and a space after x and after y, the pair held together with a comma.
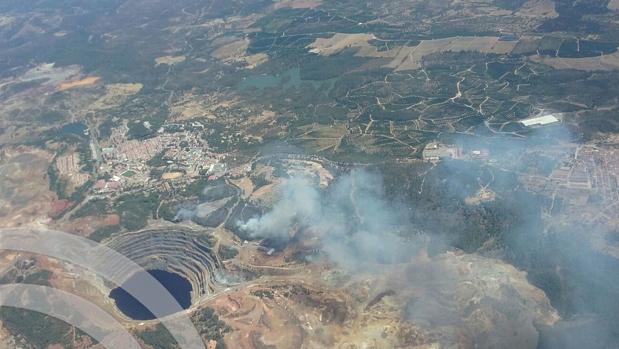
x: 573, y: 17
x: 206, y: 321
x: 158, y: 337
x: 34, y: 277
x: 210, y: 327
x: 206, y: 239
x: 104, y: 232
x: 214, y: 219
x: 441, y: 206
x: 105, y: 128
x: 86, y: 160
x: 324, y: 68
x: 51, y: 117
x: 137, y: 130
x: 80, y: 192
x: 168, y: 211
x: 227, y: 252
x: 56, y: 184
x: 263, y: 294
x: 158, y: 160
x: 242, y: 212
x: 510, y: 4
x: 194, y: 188
x: 38, y: 329
x: 60, y: 185
x: 304, y: 87
x: 94, y: 207
x: 216, y: 191
x: 40, y: 277
x: 135, y: 209
x: 259, y: 180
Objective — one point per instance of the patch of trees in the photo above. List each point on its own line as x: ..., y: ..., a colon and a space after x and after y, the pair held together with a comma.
x: 440, y: 208
x: 32, y: 277
x: 94, y: 207
x: 158, y: 160
x: 104, y: 232
x: 259, y: 180
x: 318, y: 67
x: 216, y: 192
x: 56, y: 184
x: 135, y: 209
x: 158, y: 337
x: 573, y: 16
x: 242, y: 212
x: 105, y: 128
x: 137, y: 130
x: 39, y: 277
x: 37, y: 329
x: 227, y: 252
x: 208, y: 324
x: 509, y: 4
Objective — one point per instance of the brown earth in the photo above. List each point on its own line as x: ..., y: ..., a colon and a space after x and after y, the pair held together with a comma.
x: 91, y: 80
x: 24, y: 189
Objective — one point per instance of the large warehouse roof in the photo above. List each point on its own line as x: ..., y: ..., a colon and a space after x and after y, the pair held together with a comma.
x: 540, y: 120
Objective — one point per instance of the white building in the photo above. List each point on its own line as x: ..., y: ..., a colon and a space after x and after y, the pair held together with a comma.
x: 540, y: 120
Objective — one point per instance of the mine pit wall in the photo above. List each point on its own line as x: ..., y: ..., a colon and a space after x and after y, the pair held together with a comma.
x: 185, y: 252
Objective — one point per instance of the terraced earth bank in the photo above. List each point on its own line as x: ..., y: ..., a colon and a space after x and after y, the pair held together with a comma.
x: 181, y: 251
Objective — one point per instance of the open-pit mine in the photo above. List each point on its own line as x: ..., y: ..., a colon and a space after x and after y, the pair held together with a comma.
x: 300, y: 294
x: 272, y: 300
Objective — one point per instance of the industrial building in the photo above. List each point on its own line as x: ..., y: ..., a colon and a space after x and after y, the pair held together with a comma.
x: 540, y: 120
x: 436, y: 151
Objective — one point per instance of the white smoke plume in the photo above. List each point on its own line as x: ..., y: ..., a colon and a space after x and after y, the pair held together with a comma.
x: 299, y: 203
x: 355, y: 221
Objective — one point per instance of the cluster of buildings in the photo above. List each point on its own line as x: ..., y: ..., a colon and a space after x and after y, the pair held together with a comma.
x: 136, y: 150
x: 435, y: 152
x: 592, y: 169
x: 180, y: 155
x: 586, y: 183
x: 69, y: 167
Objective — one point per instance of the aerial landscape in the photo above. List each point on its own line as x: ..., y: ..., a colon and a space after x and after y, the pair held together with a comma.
x: 282, y: 174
